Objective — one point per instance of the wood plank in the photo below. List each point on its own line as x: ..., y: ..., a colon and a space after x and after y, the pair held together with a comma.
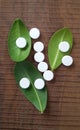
x: 63, y: 109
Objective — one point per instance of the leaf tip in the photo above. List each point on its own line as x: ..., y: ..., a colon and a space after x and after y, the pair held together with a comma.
x: 42, y: 111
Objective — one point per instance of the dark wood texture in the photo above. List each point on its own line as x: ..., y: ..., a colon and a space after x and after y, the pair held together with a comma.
x: 63, y: 109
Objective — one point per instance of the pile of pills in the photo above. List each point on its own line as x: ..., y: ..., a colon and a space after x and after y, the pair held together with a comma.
x: 39, y: 57
x: 64, y: 47
x: 25, y: 83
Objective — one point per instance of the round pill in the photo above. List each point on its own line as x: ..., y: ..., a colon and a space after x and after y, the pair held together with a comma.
x: 38, y: 46
x: 42, y: 66
x: 64, y: 46
x: 48, y: 75
x: 39, y: 57
x: 67, y: 60
x: 24, y: 83
x: 21, y: 42
x: 39, y: 83
x: 34, y: 33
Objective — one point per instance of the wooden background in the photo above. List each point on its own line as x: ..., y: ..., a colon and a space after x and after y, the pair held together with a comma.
x: 63, y: 109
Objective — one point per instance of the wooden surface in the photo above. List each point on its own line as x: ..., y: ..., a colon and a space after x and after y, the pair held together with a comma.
x: 63, y: 109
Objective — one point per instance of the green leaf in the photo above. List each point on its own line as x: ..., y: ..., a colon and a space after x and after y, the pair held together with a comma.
x: 37, y: 97
x: 54, y: 55
x: 18, y: 29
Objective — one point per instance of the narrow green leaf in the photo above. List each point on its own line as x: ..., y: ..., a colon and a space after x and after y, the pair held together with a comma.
x: 54, y: 55
x: 18, y: 29
x: 37, y: 97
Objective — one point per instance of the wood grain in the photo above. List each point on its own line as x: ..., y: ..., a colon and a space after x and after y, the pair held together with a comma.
x: 63, y: 109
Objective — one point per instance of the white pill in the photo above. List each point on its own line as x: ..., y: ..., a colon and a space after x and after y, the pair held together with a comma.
x: 67, y: 60
x: 24, y: 83
x: 34, y: 33
x: 21, y: 42
x: 42, y: 66
x: 38, y: 46
x: 48, y: 75
x: 39, y: 83
x: 39, y: 57
x: 64, y: 46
